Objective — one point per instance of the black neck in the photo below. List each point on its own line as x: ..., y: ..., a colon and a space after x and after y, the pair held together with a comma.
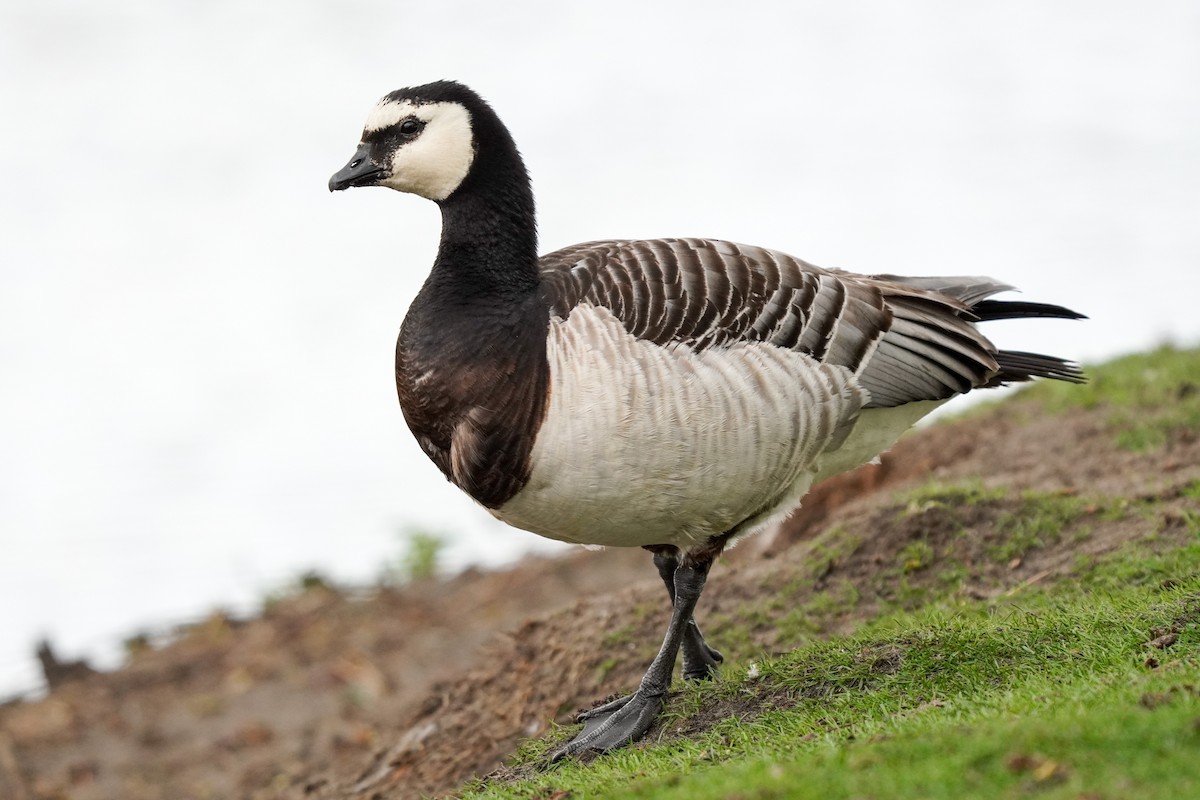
x: 488, y: 249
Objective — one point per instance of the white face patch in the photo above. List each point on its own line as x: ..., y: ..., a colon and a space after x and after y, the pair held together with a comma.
x: 436, y: 162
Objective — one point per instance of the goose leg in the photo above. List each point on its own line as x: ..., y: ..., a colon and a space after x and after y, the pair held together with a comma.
x: 626, y: 720
x: 699, y: 660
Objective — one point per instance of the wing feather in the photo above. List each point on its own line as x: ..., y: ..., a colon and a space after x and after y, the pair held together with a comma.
x: 906, y: 339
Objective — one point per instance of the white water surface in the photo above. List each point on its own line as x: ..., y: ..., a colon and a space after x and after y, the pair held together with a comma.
x: 196, y: 399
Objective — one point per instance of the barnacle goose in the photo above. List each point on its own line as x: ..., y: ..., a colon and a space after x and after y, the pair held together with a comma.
x: 672, y: 394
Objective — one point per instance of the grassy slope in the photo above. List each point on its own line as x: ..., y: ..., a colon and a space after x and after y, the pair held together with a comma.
x: 1086, y: 688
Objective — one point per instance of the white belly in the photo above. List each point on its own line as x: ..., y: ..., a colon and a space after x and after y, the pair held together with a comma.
x: 643, y: 444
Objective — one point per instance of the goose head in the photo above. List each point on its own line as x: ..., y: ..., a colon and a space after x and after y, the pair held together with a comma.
x: 420, y: 140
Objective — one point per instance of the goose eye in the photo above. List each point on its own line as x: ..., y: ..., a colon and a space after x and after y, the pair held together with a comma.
x: 410, y: 127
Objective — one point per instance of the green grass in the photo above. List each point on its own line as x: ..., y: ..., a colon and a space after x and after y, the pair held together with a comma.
x: 1117, y: 752
x: 1149, y: 396
x: 1053, y: 689
x: 1039, y: 520
x: 1030, y: 520
x: 941, y: 495
x: 421, y: 557
x: 1060, y: 695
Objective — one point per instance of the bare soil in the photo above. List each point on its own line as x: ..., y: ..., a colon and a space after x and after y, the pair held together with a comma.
x: 399, y: 692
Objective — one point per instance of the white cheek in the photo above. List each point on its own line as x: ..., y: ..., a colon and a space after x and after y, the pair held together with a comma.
x: 439, y: 159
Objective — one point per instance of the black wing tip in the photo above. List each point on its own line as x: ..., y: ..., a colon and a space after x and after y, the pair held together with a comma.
x: 1017, y: 366
x: 1020, y: 309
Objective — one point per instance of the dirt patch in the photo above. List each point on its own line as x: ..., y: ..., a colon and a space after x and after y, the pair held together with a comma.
x: 399, y: 692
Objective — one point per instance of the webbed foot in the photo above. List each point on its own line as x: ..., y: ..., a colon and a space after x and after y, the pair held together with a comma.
x: 614, y: 724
